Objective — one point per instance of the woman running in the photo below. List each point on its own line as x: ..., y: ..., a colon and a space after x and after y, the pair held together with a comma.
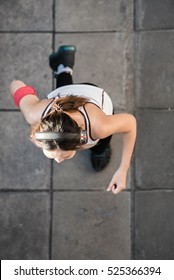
x: 75, y: 117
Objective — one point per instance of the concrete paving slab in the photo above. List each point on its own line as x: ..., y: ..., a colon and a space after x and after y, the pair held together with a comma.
x: 103, y: 59
x: 78, y: 173
x: 156, y: 14
x: 91, y: 226
x: 154, y: 69
x: 22, y: 165
x: 154, y: 155
x: 24, y: 57
x: 88, y: 222
x: 24, y: 223
x: 154, y: 225
x: 25, y: 15
x: 93, y: 15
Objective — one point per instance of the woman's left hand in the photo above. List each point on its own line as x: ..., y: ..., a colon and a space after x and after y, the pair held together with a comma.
x: 118, y: 182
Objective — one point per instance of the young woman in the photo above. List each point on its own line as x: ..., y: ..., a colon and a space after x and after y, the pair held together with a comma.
x: 75, y: 117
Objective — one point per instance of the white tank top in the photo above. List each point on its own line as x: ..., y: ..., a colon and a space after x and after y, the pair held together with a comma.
x: 95, y: 95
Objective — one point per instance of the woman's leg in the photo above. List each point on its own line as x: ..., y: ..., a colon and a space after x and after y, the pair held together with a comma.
x: 101, y: 145
x: 101, y: 154
x: 63, y: 79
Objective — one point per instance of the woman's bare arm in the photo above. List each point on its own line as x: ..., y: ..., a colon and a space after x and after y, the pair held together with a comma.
x: 126, y: 125
x: 30, y: 105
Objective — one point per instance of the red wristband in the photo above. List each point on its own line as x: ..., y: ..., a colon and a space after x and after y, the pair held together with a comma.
x: 21, y: 92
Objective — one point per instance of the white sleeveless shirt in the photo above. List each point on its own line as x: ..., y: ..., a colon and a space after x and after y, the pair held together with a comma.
x: 95, y: 95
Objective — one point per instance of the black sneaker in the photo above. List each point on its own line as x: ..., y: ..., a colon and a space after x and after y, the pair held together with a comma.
x: 100, y: 161
x: 65, y: 55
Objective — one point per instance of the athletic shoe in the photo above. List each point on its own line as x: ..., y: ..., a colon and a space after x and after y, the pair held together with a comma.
x: 65, y: 55
x: 100, y: 161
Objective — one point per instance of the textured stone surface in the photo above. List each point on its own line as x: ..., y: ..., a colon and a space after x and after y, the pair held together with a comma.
x: 155, y: 150
x: 22, y: 15
x: 154, y: 225
x: 93, y: 15
x: 154, y: 69
x: 78, y: 173
x: 89, y: 223
x: 24, y: 57
x: 22, y: 165
x: 91, y: 226
x: 156, y: 14
x: 108, y: 67
x: 24, y: 223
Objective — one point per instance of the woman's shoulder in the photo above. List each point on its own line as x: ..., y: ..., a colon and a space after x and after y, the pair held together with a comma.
x: 38, y: 109
x: 97, y: 119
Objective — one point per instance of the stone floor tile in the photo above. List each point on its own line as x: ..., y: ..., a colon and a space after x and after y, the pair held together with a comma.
x: 24, y: 57
x: 25, y: 15
x: 24, y: 223
x: 156, y: 14
x: 78, y: 173
x: 154, y: 155
x: 93, y: 15
x: 107, y: 67
x: 154, y: 225
x: 22, y: 165
x: 91, y: 226
x: 154, y: 69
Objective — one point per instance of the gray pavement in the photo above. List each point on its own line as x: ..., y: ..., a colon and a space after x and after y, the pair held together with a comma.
x: 51, y: 211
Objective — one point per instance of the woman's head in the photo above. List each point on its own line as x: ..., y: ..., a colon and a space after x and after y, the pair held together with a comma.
x: 58, y: 121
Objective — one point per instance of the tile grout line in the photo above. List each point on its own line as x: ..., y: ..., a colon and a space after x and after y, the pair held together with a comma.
x: 62, y: 32
x: 51, y: 162
x: 138, y: 190
x: 138, y: 31
x: 137, y: 109
x: 51, y: 210
x: 133, y: 188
